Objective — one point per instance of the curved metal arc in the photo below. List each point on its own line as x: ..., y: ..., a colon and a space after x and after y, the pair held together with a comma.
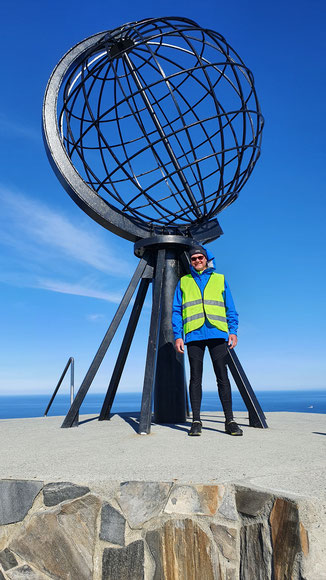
x: 201, y: 122
x: 136, y: 115
x: 156, y: 156
x: 99, y: 132
x: 86, y: 198
x: 209, y: 63
x: 183, y: 167
x: 216, y: 107
x: 151, y: 85
x: 86, y: 107
x: 239, y: 178
x: 181, y: 129
x: 230, y: 184
x: 163, y: 44
x: 160, y: 164
x: 210, y: 213
x: 164, y: 139
x: 86, y: 67
x: 168, y: 124
x: 181, y: 117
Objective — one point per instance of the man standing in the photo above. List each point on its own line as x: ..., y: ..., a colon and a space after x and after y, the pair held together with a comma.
x: 204, y: 312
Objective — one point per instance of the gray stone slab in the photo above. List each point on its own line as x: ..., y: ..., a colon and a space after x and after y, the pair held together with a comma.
x: 140, y: 500
x: 2, y: 576
x: 124, y: 563
x: 226, y: 540
x: 112, y: 526
x: 250, y: 501
x: 255, y: 550
x: 60, y: 541
x: 16, y: 499
x: 7, y: 559
x: 228, y: 507
x: 25, y: 573
x: 58, y: 492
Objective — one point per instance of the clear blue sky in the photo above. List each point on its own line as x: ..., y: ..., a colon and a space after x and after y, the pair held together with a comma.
x: 59, y: 284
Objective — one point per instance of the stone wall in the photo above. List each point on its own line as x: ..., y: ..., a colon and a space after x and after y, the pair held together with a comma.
x: 153, y: 531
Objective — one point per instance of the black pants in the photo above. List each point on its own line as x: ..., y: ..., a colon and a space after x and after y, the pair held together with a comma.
x: 218, y: 352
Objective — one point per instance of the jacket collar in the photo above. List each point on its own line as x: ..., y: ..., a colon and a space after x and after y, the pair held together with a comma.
x: 206, y: 272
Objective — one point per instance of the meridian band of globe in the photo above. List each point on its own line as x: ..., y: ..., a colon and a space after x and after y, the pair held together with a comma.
x: 127, y: 226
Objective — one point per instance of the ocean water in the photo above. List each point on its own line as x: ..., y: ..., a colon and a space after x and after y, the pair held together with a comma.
x: 11, y: 407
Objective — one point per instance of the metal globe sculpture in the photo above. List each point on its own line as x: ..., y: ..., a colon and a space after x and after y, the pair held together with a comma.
x: 153, y: 128
x: 155, y: 124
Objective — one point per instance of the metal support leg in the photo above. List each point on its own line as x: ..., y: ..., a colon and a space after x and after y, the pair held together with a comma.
x: 124, y: 350
x: 74, y: 409
x: 169, y: 390
x: 256, y: 415
x: 146, y: 404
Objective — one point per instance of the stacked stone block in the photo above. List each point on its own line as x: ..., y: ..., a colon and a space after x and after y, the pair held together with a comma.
x: 149, y: 531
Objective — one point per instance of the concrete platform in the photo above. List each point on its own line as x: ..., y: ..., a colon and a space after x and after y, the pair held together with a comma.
x: 289, y: 457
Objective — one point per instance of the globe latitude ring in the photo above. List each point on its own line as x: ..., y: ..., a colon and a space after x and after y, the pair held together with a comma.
x: 198, y: 182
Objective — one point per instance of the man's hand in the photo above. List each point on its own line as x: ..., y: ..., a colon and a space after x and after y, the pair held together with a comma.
x: 179, y: 345
x: 233, y: 340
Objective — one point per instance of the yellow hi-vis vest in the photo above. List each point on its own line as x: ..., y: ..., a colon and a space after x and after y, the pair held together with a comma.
x: 195, y: 307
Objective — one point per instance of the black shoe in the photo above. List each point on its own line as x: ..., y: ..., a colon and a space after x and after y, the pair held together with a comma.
x: 232, y: 428
x: 195, y: 429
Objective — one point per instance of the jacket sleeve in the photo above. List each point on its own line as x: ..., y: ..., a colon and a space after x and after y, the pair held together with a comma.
x: 231, y: 313
x: 177, y: 313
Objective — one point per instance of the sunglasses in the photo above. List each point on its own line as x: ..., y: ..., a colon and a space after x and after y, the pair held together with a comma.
x: 199, y: 258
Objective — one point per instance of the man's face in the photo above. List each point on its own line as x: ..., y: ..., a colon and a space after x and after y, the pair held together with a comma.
x: 199, y: 262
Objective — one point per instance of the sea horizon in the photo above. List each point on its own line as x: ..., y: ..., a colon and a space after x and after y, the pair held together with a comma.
x: 34, y: 405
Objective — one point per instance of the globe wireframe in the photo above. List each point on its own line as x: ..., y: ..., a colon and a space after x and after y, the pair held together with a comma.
x: 160, y: 119
x: 153, y: 128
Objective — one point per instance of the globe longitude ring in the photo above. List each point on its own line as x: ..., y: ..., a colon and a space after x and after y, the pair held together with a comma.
x: 153, y: 128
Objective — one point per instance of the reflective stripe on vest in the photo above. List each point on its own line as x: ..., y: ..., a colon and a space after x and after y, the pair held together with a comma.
x: 195, y: 307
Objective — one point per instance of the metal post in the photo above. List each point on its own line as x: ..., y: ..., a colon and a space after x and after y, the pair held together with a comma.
x: 70, y: 362
x: 146, y: 403
x: 169, y: 390
x: 124, y: 350
x: 72, y: 380
x: 74, y: 409
x: 256, y: 415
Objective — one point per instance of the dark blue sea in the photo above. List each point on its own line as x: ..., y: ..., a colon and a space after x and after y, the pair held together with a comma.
x: 34, y: 405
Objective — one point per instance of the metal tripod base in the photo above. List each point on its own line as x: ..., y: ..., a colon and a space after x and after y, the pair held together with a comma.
x: 162, y: 261
x: 164, y: 369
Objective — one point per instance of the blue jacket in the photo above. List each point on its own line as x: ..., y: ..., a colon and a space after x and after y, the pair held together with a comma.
x: 207, y: 330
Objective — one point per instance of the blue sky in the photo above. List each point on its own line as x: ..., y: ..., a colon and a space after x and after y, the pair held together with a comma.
x: 62, y: 275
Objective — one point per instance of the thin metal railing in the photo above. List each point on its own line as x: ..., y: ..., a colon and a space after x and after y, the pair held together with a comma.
x: 70, y: 363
